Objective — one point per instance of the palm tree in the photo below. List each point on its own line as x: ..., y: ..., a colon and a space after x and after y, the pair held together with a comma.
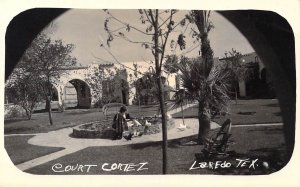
x: 201, y: 19
x: 203, y: 80
x: 209, y: 91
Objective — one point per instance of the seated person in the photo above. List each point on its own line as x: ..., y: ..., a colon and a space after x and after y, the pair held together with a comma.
x: 120, y: 123
x: 123, y: 123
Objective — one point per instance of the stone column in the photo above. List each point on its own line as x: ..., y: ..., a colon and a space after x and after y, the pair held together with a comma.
x: 61, y: 97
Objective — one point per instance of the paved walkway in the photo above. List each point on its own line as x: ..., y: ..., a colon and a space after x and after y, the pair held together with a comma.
x: 61, y: 138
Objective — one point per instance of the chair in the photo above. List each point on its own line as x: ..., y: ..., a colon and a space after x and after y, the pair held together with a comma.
x: 218, y: 142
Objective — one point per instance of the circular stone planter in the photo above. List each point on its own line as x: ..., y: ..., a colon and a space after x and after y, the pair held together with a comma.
x: 103, y: 130
x: 93, y: 130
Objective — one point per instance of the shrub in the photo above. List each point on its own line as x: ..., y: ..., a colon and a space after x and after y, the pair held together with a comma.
x: 13, y: 112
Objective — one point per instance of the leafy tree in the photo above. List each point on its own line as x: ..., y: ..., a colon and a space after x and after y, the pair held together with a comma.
x: 133, y: 83
x: 96, y: 81
x: 47, y: 59
x: 144, y: 87
x: 24, y: 91
x: 238, y: 70
x: 106, y: 82
x: 158, y: 26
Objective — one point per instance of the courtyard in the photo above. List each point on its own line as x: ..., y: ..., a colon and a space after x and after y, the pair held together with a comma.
x: 40, y: 148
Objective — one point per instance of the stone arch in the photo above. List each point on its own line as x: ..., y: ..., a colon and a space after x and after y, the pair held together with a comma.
x: 79, y: 91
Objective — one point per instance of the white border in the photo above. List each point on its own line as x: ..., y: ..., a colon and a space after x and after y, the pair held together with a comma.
x: 11, y: 176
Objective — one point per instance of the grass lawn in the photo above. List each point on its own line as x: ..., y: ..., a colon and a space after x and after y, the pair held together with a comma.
x: 263, y: 143
x: 245, y: 112
x: 40, y: 121
x: 20, y: 151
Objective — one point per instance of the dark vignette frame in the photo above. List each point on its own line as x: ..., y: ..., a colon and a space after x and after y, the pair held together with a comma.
x: 269, y: 34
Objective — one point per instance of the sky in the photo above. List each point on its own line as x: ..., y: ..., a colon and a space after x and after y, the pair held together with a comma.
x: 85, y: 29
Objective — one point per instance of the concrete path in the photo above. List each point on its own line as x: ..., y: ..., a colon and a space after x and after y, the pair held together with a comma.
x: 259, y: 125
x: 61, y: 138
x: 20, y: 134
x: 42, y: 160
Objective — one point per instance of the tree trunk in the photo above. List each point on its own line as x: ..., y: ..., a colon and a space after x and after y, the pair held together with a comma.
x: 139, y: 106
x: 204, y: 123
x: 206, y: 51
x: 164, y: 125
x: 160, y: 93
x: 235, y: 90
x: 48, y: 100
x: 182, y: 114
x: 47, y: 105
x: 28, y: 114
x: 207, y: 54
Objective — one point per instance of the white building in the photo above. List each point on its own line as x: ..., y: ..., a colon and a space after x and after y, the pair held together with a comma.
x: 76, y: 85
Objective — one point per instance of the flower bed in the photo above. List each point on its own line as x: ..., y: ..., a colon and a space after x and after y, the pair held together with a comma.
x: 104, y: 130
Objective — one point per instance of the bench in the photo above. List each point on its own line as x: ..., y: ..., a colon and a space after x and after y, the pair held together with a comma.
x: 111, y: 108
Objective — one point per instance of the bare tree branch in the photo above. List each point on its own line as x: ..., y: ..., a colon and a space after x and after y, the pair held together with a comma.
x: 124, y: 23
x: 132, y: 41
x: 166, y: 38
x: 147, y: 16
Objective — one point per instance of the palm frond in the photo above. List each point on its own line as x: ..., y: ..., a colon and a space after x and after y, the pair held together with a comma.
x: 212, y: 89
x: 180, y: 98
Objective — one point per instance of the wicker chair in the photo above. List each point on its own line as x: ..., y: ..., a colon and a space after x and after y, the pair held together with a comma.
x: 218, y: 142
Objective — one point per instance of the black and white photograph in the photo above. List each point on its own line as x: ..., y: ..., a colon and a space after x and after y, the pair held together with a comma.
x: 193, y: 92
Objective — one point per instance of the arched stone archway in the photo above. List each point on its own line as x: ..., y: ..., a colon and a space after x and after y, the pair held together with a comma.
x: 83, y: 93
x: 78, y: 91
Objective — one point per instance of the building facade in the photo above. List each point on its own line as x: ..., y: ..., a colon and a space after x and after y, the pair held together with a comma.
x: 258, y: 84
x: 97, y: 84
